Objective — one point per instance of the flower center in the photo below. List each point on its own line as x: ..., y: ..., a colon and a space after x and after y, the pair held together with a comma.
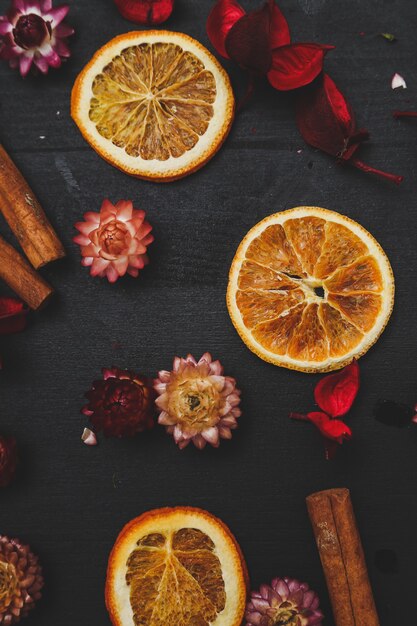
x: 31, y: 31
x: 114, y: 238
x: 8, y: 584
x: 196, y: 403
x: 287, y: 615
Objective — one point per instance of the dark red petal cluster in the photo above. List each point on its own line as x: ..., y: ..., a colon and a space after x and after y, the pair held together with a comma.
x: 13, y: 316
x: 122, y: 404
x: 327, y: 122
x: 8, y: 460
x: 147, y: 12
x: 335, y: 395
x: 259, y: 42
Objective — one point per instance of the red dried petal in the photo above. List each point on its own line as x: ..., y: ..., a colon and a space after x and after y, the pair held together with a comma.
x: 222, y: 17
x: 325, y: 119
x: 13, y: 316
x: 333, y: 429
x: 145, y: 11
x: 336, y: 393
x: 248, y: 41
x: 279, y: 32
x: 296, y: 65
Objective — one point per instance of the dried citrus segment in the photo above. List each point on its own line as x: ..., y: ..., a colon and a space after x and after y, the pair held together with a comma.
x: 155, y: 104
x: 273, y: 250
x: 340, y: 248
x: 309, y: 340
x: 307, y: 237
x: 259, y: 306
x: 176, y: 567
x: 310, y: 289
x: 255, y: 276
x: 363, y: 275
x: 360, y: 308
x: 342, y: 335
x: 276, y: 334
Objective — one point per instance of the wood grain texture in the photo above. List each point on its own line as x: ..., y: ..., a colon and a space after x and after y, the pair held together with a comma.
x: 70, y: 501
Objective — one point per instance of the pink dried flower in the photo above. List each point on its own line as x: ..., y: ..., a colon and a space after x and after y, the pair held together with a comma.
x: 33, y: 33
x: 286, y: 601
x: 114, y: 241
x: 197, y: 402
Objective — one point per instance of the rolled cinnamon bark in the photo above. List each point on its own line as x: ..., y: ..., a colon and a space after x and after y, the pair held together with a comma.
x: 25, y: 215
x: 341, y: 553
x: 22, y: 278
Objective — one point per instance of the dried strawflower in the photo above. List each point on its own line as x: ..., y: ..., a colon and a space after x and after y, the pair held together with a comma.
x: 285, y: 601
x: 89, y: 437
x: 121, y: 404
x: 8, y: 461
x: 327, y: 122
x: 113, y: 242
x: 145, y: 11
x: 398, y: 81
x: 33, y: 34
x: 197, y: 402
x: 13, y: 315
x: 335, y: 395
x: 259, y: 42
x: 21, y: 580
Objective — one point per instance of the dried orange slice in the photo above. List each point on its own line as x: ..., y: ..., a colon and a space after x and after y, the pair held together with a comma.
x: 155, y: 104
x: 310, y: 289
x: 176, y: 567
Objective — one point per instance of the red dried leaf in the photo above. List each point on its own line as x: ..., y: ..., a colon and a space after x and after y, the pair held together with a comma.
x: 296, y: 65
x: 331, y: 429
x: 327, y: 122
x: 145, y: 11
x: 248, y: 41
x: 13, y: 316
x: 336, y: 393
x: 222, y: 17
x: 279, y: 32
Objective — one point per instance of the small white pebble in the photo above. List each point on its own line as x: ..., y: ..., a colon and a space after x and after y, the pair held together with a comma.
x: 88, y: 437
x: 299, y: 151
x: 42, y: 137
x: 398, y: 81
x: 58, y: 113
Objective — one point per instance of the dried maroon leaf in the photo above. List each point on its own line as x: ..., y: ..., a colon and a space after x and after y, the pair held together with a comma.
x: 326, y: 121
x: 13, y: 316
x: 145, y: 11
x: 336, y: 393
x: 222, y: 17
x: 248, y: 41
x: 296, y: 65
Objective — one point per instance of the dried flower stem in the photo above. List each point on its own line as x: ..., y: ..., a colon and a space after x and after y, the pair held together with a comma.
x: 372, y: 170
x: 398, y: 114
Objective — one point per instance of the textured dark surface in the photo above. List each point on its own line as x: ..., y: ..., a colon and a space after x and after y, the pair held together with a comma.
x: 70, y: 501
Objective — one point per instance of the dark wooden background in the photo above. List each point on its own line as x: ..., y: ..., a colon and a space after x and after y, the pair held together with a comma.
x: 70, y: 501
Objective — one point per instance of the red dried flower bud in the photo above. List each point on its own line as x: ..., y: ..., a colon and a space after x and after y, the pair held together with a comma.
x: 122, y: 404
x: 336, y: 393
x: 145, y: 11
x: 8, y: 460
x: 31, y: 31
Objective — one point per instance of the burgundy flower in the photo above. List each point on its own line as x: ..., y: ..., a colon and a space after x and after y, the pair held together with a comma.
x: 285, y: 601
x: 259, y: 42
x: 327, y: 122
x: 8, y: 460
x: 33, y: 33
x: 122, y: 404
x: 145, y: 11
x: 335, y: 395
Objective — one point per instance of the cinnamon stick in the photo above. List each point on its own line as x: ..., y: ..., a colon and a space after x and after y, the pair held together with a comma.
x: 341, y: 553
x: 25, y: 215
x: 22, y: 278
